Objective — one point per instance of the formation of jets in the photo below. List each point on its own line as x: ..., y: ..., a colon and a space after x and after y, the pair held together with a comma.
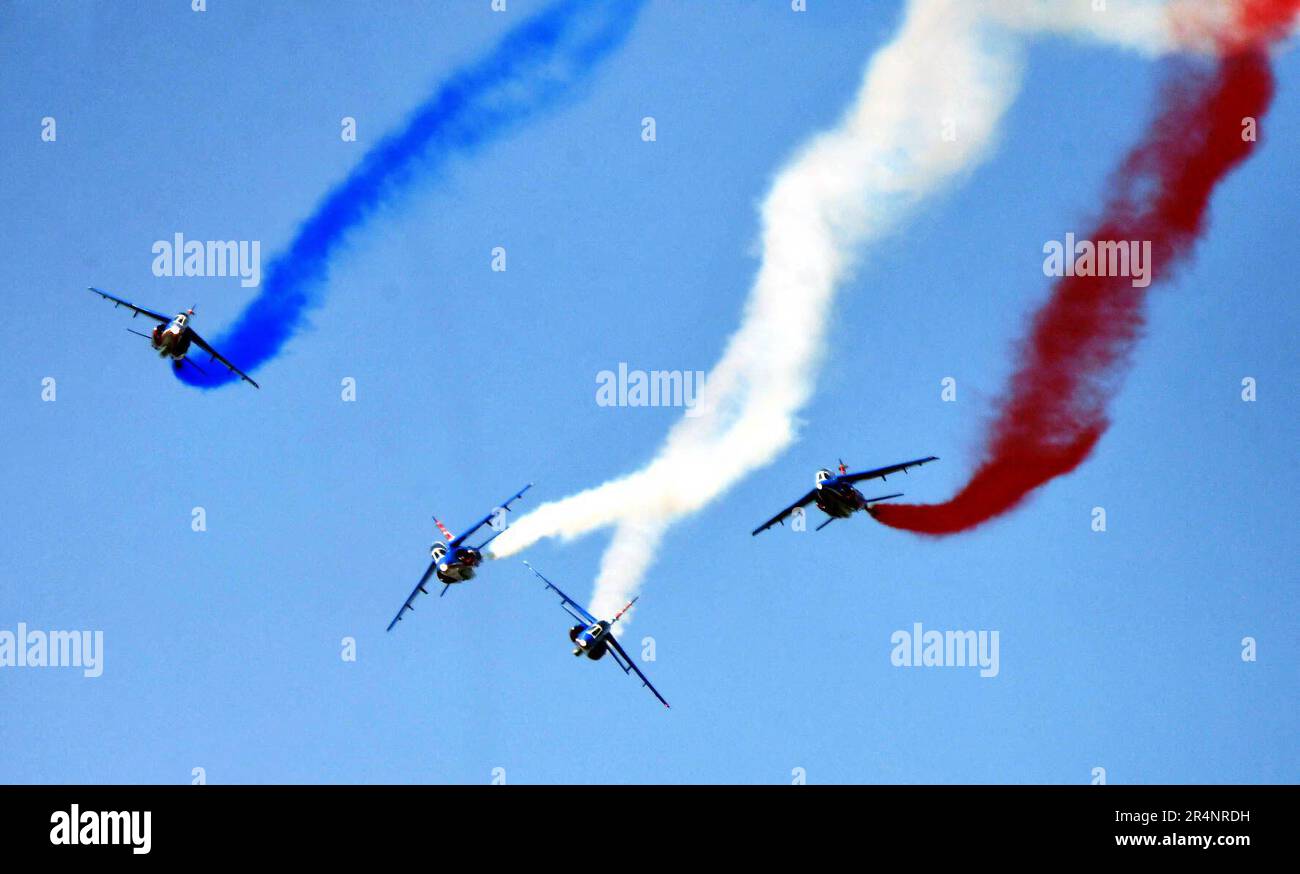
x: 453, y: 561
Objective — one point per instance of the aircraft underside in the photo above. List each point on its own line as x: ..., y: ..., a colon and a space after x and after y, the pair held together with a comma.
x: 837, y: 505
x: 169, y: 344
x: 456, y: 574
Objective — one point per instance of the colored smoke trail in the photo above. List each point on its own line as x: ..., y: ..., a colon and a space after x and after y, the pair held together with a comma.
x: 848, y: 186
x: 1055, y: 408
x: 535, y: 67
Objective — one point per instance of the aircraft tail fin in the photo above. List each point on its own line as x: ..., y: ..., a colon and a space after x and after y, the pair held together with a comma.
x: 620, y: 613
x: 443, y: 528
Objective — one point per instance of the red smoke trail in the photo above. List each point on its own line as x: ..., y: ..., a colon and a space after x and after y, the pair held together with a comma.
x: 1054, y: 411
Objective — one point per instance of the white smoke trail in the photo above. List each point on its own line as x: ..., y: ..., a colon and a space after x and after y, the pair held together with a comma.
x: 1136, y: 24
x: 927, y: 110
x: 1152, y: 27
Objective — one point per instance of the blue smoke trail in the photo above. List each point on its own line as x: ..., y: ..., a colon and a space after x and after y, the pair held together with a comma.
x: 532, y: 69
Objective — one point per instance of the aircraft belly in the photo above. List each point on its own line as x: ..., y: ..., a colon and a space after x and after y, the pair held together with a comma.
x: 834, y: 507
x: 455, y: 574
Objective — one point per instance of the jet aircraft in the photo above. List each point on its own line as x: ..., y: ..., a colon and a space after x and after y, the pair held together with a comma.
x: 594, y: 637
x: 453, y: 561
x: 171, y: 337
x: 836, y: 496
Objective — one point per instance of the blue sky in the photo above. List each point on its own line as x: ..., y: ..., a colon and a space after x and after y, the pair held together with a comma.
x: 1119, y: 649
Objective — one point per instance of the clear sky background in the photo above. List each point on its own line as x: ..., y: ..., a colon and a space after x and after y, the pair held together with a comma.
x: 1119, y: 650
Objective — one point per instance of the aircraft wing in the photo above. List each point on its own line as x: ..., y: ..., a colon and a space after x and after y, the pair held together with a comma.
x: 410, y: 599
x: 139, y: 311
x: 464, y: 535
x: 780, y: 517
x: 217, y: 356
x: 627, y: 660
x: 882, y: 472
x: 576, y: 610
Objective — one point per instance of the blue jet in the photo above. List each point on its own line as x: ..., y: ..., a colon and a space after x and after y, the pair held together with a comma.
x: 453, y: 561
x: 594, y: 637
x: 836, y: 496
x: 171, y: 337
